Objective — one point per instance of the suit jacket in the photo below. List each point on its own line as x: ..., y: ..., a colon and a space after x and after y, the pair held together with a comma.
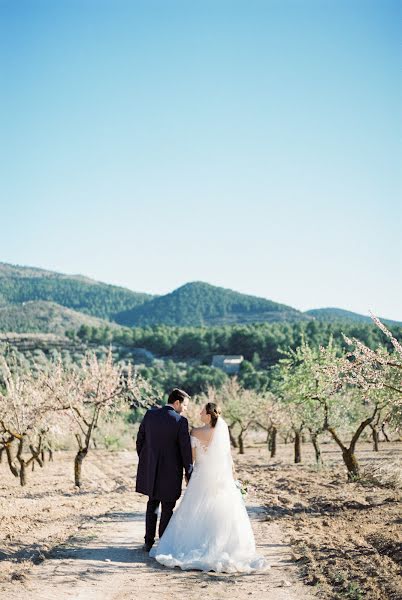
x: 164, y: 450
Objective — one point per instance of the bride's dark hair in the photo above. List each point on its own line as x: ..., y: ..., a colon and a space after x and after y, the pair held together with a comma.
x: 214, y: 411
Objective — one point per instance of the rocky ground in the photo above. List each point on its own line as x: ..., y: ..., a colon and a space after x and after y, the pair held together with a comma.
x: 346, y: 537
x: 323, y: 537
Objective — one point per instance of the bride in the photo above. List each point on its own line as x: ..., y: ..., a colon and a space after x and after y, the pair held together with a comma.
x: 210, y: 530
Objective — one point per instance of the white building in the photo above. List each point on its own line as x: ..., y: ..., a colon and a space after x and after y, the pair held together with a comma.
x: 228, y: 363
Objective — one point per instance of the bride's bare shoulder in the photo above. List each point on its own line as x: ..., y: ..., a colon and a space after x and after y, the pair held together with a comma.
x: 196, y: 431
x: 202, y: 433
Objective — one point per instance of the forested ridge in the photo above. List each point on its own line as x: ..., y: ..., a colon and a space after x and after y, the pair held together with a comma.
x: 24, y: 292
x: 199, y: 303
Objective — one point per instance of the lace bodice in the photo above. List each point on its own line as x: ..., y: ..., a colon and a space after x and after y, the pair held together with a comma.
x: 197, y: 443
x: 201, y: 448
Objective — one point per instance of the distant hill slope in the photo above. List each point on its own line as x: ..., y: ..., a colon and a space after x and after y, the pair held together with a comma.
x: 199, y: 303
x: 45, y: 317
x: 37, y: 300
x: 24, y: 284
x: 338, y: 314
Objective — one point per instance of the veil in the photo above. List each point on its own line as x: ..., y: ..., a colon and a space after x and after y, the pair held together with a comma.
x: 219, y: 457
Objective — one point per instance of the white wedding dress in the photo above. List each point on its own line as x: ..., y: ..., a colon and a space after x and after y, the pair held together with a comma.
x: 210, y: 530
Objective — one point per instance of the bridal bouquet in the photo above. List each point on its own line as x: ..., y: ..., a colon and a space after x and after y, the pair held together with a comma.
x: 242, y: 487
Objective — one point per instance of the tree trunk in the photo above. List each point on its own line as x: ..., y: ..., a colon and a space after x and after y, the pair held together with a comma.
x: 274, y: 432
x: 297, y: 447
x: 317, y: 449
x: 36, y: 453
x: 79, y: 457
x: 232, y: 438
x: 21, y: 460
x: 375, y: 435
x: 35, y: 457
x: 50, y: 451
x: 348, y: 454
x: 240, y: 443
x: 384, y: 433
x: 23, y: 472
x: 11, y: 465
x: 351, y: 463
x: 1, y: 454
x: 269, y: 439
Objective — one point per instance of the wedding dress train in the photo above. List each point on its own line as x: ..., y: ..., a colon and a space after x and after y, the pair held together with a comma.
x: 210, y: 530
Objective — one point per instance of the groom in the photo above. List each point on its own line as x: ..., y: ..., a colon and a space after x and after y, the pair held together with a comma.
x: 164, y: 450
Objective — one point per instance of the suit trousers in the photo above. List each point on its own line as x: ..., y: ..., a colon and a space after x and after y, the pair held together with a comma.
x: 151, y: 518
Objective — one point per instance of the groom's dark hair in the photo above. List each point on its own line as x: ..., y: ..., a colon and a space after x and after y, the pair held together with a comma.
x: 177, y: 394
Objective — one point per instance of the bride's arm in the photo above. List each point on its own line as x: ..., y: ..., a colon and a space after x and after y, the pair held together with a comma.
x: 193, y: 448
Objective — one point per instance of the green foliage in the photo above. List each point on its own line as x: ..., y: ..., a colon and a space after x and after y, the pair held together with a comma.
x: 40, y: 316
x: 194, y: 379
x: 253, y: 379
x: 19, y: 284
x: 338, y: 314
x: 32, y: 300
x: 261, y: 344
x: 112, y: 442
x: 198, y: 303
x: 301, y: 389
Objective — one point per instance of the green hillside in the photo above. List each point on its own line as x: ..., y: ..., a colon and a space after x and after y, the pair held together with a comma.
x: 36, y: 300
x: 338, y: 314
x: 45, y: 317
x: 198, y: 303
x: 24, y: 284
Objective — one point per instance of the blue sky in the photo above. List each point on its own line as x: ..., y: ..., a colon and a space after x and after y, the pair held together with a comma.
x: 254, y: 145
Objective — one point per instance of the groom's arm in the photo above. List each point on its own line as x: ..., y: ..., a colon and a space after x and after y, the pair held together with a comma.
x: 185, y: 447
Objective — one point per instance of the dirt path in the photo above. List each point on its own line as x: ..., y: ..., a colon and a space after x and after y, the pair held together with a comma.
x: 104, y: 561
x: 58, y: 543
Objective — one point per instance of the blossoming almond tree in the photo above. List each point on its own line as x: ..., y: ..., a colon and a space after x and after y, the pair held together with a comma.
x: 241, y: 408
x: 366, y: 380
x: 297, y: 386
x: 24, y: 409
x: 84, y: 395
x: 378, y: 370
x: 273, y: 418
x: 315, y: 385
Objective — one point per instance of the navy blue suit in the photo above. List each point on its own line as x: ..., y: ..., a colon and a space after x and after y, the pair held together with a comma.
x: 164, y: 450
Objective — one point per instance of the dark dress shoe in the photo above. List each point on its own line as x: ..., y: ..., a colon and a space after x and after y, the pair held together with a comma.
x: 147, y: 547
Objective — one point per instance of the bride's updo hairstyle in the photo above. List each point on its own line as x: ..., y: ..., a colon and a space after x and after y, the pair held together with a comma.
x: 214, y: 411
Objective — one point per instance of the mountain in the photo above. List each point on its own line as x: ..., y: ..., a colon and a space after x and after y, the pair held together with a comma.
x: 39, y: 316
x: 24, y: 284
x: 37, y: 300
x: 199, y: 303
x: 339, y: 314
